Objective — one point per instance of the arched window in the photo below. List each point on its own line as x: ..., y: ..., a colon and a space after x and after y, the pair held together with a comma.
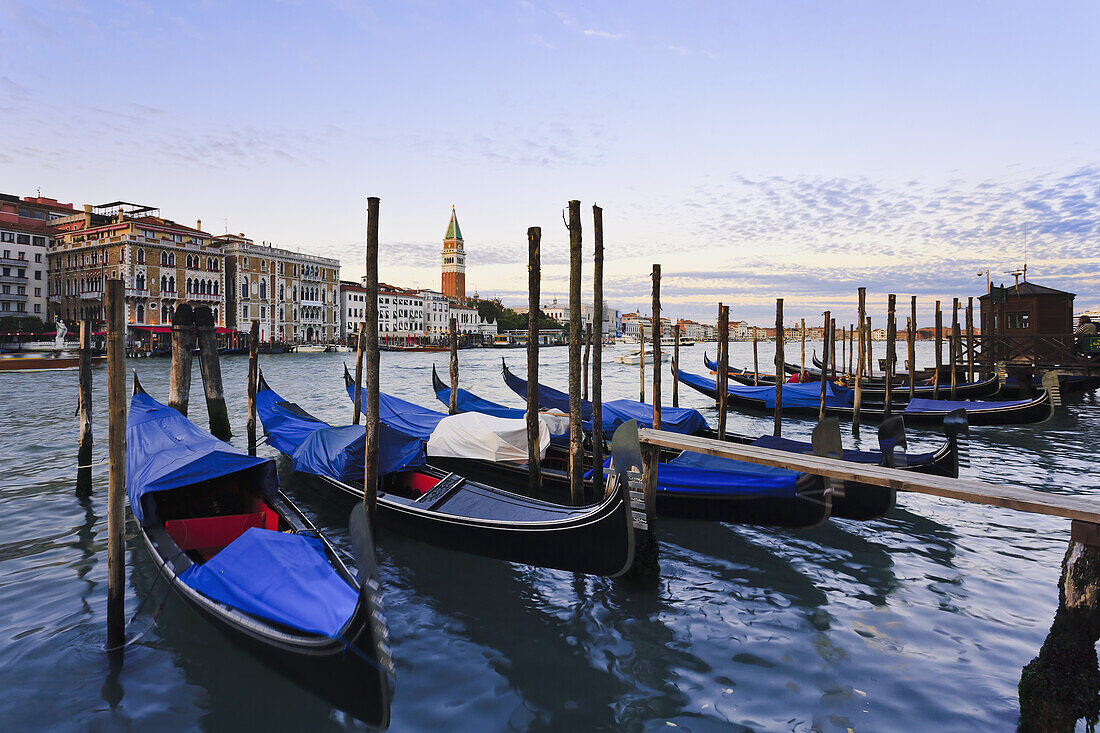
x: 172, y: 283
x: 141, y: 256
x: 189, y: 285
x: 263, y: 265
x: 163, y: 283
x: 295, y: 294
x: 215, y: 287
x: 263, y: 289
x: 244, y: 288
x: 282, y: 295
x: 141, y: 281
x: 140, y: 313
x: 171, y: 259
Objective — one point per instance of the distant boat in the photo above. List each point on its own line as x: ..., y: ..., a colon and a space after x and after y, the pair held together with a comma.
x: 634, y: 356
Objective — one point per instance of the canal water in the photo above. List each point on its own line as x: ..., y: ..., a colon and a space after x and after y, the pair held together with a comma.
x: 920, y: 620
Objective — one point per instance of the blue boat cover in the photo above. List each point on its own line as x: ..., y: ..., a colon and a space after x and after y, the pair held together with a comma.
x: 806, y: 394
x: 406, y: 417
x: 280, y: 577
x: 797, y: 446
x: 165, y: 450
x: 923, y: 405
x: 695, y: 473
x: 467, y: 401
x: 549, y: 399
x: 684, y: 420
x: 318, y: 448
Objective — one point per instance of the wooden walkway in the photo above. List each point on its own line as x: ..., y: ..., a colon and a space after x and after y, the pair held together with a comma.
x: 1077, y: 508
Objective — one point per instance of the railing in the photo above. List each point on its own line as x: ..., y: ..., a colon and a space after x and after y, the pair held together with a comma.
x: 204, y: 296
x: 15, y: 261
x: 138, y: 292
x: 13, y: 279
x: 13, y: 296
x: 1031, y: 349
x: 91, y: 294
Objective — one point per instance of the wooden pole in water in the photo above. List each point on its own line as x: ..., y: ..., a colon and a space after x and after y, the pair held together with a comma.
x: 597, y: 353
x: 843, y: 348
x: 371, y: 418
x: 183, y: 343
x: 824, y: 364
x: 212, y: 373
x: 584, y: 361
x: 84, y: 407
x: 891, y: 347
x: 576, y: 447
x: 970, y: 339
x: 722, y: 380
x: 755, y: 362
x: 802, y: 370
x: 851, y: 349
x: 253, y: 384
x: 534, y: 286
x: 641, y: 360
x: 863, y: 334
x: 869, y: 351
x: 656, y: 347
x: 954, y: 345
x: 912, y: 346
x: 832, y: 348
x: 357, y: 397
x: 116, y: 450
x: 452, y: 329
x: 780, y: 360
x: 939, y: 353
x: 676, y: 365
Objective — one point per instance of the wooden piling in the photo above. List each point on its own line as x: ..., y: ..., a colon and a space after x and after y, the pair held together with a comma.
x: 939, y: 353
x: 891, y: 347
x: 576, y: 447
x: 211, y: 370
x: 676, y: 365
x: 970, y: 339
x: 832, y: 349
x: 860, y: 360
x: 824, y: 365
x: 755, y: 361
x: 452, y: 329
x: 534, y: 286
x: 116, y: 450
x: 912, y: 346
x: 584, y: 361
x: 843, y: 347
x: 780, y: 360
x: 802, y: 371
x: 722, y: 378
x: 656, y: 347
x: 183, y: 343
x: 597, y: 353
x: 869, y: 352
x: 851, y: 349
x: 641, y: 360
x: 954, y: 345
x: 357, y: 395
x: 371, y: 418
x: 84, y: 408
x: 253, y: 384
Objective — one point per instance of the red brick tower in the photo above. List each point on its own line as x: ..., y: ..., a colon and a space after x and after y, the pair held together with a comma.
x: 454, y: 261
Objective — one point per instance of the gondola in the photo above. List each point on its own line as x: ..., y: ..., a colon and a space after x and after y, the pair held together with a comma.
x: 236, y: 550
x: 446, y: 508
x: 804, y: 400
x: 859, y: 501
x: 689, y: 485
x: 876, y: 390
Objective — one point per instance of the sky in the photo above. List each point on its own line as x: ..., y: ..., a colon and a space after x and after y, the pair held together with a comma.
x: 756, y: 150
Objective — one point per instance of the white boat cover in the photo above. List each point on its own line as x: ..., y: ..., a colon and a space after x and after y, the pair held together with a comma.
x: 474, y: 435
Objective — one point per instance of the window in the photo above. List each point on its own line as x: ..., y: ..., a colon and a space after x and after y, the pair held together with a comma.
x: 263, y: 289
x: 22, y: 239
x: 38, y: 292
x: 7, y: 237
x: 39, y: 241
x: 244, y: 263
x: 163, y: 283
x: 244, y: 288
x: 1017, y: 320
x: 263, y: 311
x: 172, y: 283
x: 140, y: 313
x: 141, y: 256
x: 244, y: 312
x: 37, y: 308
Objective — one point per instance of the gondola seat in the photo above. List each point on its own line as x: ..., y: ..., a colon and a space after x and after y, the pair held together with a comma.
x: 208, y: 535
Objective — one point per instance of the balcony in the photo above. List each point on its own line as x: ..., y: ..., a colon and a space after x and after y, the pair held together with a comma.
x: 13, y: 279
x: 206, y: 297
x: 91, y: 294
x: 314, y: 303
x: 15, y: 261
x: 137, y: 292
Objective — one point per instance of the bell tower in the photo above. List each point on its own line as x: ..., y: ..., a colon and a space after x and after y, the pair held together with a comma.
x: 454, y: 260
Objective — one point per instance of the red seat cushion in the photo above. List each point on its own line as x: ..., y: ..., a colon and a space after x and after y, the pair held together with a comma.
x: 207, y: 535
x: 420, y: 483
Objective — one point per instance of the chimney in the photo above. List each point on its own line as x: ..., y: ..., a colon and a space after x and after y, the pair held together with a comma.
x: 198, y: 224
x: 87, y: 216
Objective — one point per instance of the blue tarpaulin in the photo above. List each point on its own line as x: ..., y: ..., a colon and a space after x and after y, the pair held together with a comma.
x: 695, y: 473
x: 549, y: 398
x: 467, y: 401
x: 407, y: 417
x: 922, y: 405
x: 165, y: 450
x: 806, y: 394
x: 280, y: 577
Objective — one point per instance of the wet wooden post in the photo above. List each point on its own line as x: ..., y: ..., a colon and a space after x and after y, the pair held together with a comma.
x: 851, y: 349
x: 891, y: 347
x: 912, y: 346
x: 253, y: 384
x: 534, y: 286
x: 954, y: 345
x: 597, y: 352
x: 641, y: 360
x: 722, y: 378
x: 116, y: 476
x: 357, y: 395
x: 576, y: 436
x: 863, y: 334
x: 84, y: 408
x: 755, y: 361
x: 452, y: 330
x: 802, y: 371
x: 656, y: 347
x: 780, y: 360
x: 212, y: 373
x: 832, y: 349
x: 843, y: 348
x: 824, y: 364
x: 970, y: 339
x: 939, y: 353
x: 676, y: 365
x: 869, y: 351
x: 584, y: 361
x: 371, y: 419
x: 183, y: 343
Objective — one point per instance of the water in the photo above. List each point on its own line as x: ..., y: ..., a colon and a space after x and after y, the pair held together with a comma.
x: 920, y: 620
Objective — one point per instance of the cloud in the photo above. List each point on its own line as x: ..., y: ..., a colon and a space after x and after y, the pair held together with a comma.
x: 601, y: 34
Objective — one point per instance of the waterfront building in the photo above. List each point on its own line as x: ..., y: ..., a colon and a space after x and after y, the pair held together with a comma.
x: 437, y: 315
x: 295, y: 296
x: 163, y: 263
x: 26, y: 234
x: 454, y: 261
x: 400, y: 314
x: 353, y: 300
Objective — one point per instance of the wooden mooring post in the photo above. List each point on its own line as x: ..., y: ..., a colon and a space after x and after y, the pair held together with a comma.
x: 970, y: 339
x: 656, y: 304
x: 863, y: 334
x: 371, y: 419
x: 357, y: 395
x: 891, y: 348
x: 676, y: 365
x: 869, y: 351
x: 722, y: 378
x: 831, y: 363
x: 84, y: 409
x: 843, y: 348
x: 939, y: 353
x: 253, y: 383
x: 802, y: 367
x: 955, y: 339
x: 183, y: 343
x: 912, y: 346
x: 452, y: 330
x: 641, y: 360
x: 534, y: 285
x: 597, y: 351
x: 116, y: 475
x: 755, y: 360
x: 851, y: 349
x: 211, y: 370
x: 780, y: 360
x: 576, y: 435
x: 584, y: 361
x: 824, y: 364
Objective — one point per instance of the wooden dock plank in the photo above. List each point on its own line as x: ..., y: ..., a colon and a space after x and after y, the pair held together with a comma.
x: 977, y: 492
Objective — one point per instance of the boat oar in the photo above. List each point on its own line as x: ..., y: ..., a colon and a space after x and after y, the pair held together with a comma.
x: 825, y: 440
x: 362, y: 544
x: 892, y: 442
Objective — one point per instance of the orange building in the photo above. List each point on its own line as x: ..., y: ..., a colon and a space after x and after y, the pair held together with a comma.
x: 454, y: 261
